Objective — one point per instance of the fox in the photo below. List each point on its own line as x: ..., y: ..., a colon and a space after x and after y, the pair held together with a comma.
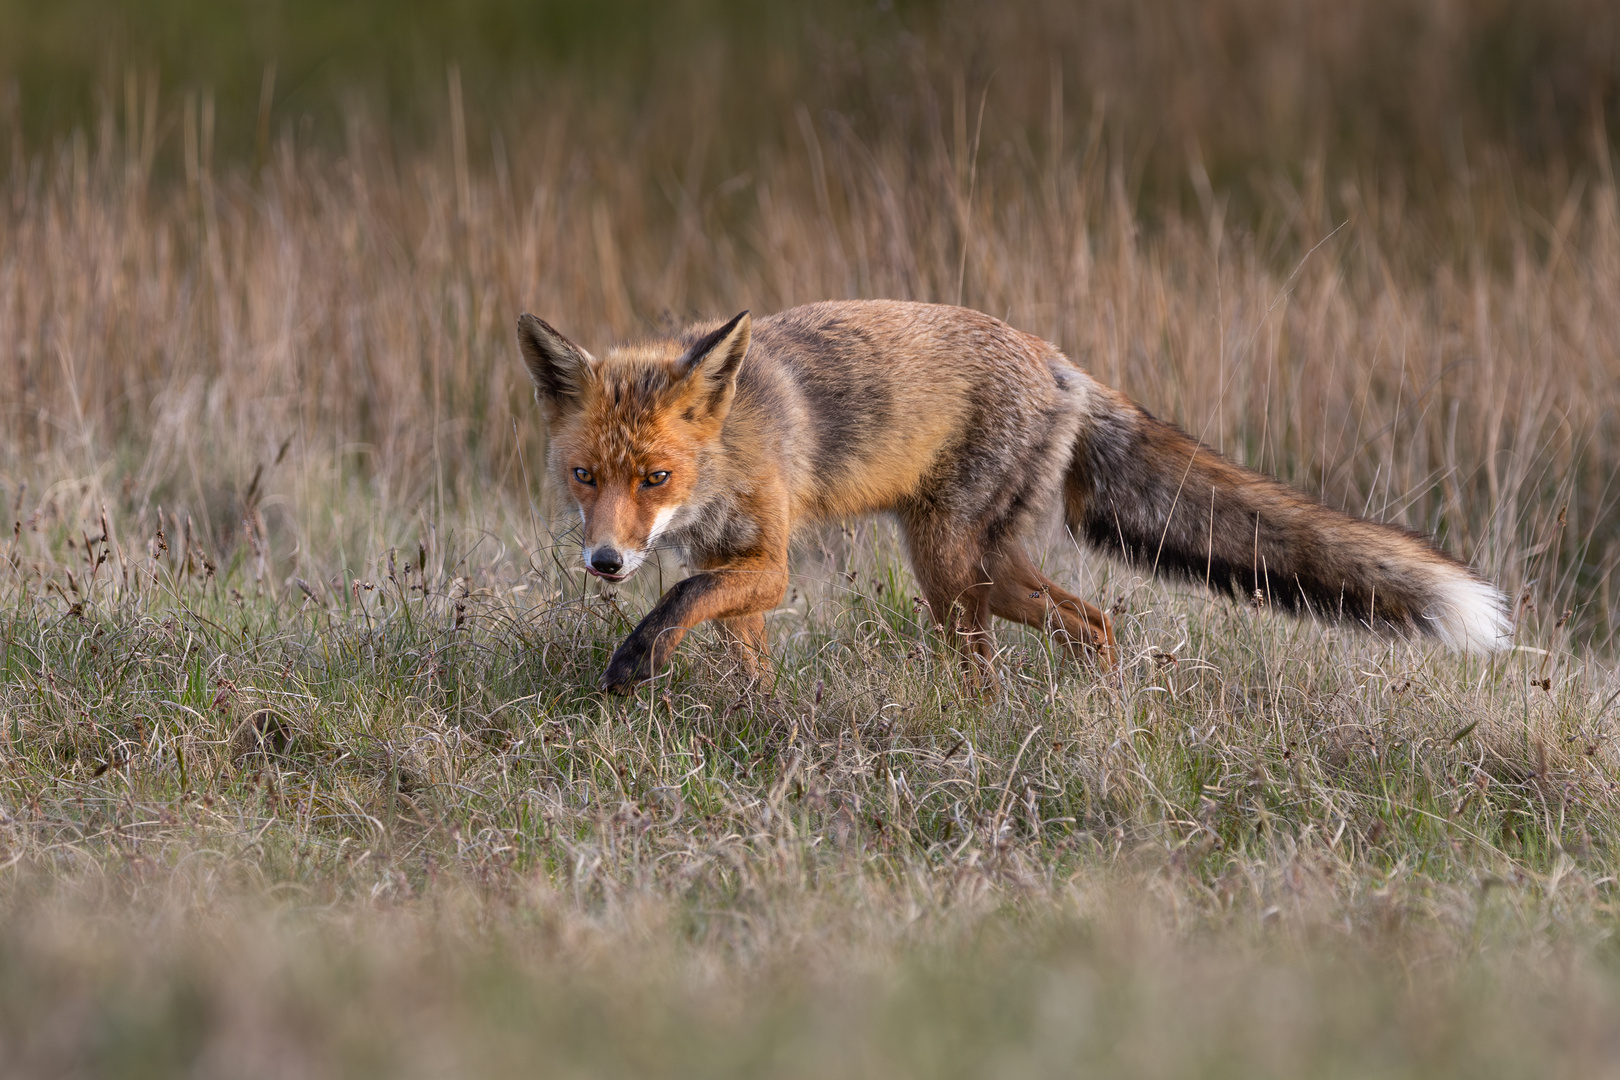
x: 726, y: 439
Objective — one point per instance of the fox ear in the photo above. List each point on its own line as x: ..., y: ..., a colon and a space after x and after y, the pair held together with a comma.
x: 709, y: 368
x: 561, y: 370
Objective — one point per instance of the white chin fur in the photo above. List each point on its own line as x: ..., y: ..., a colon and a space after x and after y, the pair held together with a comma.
x: 1469, y: 615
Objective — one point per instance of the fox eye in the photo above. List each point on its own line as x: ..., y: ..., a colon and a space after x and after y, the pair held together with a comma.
x: 654, y: 479
x: 584, y: 476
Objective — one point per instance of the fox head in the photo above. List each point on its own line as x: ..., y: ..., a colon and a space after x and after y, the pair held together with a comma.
x: 629, y: 432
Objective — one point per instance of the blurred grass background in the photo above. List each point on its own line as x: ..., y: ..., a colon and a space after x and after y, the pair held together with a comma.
x: 1419, y: 91
x: 1367, y: 247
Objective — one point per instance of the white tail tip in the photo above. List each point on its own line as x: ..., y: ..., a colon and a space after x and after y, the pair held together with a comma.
x: 1470, y: 615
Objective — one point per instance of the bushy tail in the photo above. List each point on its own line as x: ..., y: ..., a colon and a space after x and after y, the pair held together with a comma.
x: 1146, y: 490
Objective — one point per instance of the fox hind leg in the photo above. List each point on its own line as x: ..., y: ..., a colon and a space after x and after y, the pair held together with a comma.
x: 1021, y: 593
x: 949, y: 572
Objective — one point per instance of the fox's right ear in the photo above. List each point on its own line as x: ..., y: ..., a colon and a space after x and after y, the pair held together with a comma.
x: 561, y: 370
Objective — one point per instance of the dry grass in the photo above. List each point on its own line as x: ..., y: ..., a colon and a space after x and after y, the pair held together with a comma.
x: 390, y: 830
x: 345, y: 324
x: 300, y: 772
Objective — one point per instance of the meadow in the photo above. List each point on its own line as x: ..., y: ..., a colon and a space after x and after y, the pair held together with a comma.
x: 302, y: 772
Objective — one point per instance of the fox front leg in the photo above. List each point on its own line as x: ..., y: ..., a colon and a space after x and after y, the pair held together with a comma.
x: 737, y: 591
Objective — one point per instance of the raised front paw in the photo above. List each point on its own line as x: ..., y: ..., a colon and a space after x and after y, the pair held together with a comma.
x: 631, y: 666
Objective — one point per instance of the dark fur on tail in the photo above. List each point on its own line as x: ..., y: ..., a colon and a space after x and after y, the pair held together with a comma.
x: 1145, y: 490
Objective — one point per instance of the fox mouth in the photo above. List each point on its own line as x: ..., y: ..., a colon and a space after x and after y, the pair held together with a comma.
x: 593, y: 571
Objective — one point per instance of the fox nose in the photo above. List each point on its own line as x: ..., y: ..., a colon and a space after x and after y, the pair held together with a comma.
x: 606, y: 560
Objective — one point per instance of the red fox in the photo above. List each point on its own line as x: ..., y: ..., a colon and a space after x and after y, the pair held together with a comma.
x: 725, y: 439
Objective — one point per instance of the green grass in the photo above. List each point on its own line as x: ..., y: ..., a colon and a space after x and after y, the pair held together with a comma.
x: 385, y: 827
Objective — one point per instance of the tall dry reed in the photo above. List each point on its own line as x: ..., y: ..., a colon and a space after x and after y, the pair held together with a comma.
x: 349, y: 316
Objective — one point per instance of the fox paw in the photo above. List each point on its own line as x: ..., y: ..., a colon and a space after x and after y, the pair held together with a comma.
x: 628, y: 669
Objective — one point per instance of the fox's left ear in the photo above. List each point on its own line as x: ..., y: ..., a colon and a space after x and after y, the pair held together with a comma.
x: 709, y: 368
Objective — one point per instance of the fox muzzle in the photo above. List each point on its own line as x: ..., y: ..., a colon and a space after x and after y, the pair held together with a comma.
x: 611, y: 563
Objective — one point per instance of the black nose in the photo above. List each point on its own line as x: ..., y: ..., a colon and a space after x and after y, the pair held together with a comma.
x: 605, y: 560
